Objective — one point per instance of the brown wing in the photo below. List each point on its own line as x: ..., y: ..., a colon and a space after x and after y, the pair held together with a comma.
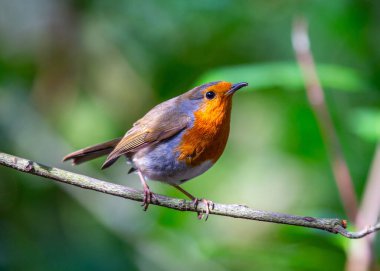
x: 146, y: 131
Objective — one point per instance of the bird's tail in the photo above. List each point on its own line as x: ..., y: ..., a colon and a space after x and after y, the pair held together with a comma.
x: 92, y: 152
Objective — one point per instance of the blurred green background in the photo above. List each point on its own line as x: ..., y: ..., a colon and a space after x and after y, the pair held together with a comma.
x: 75, y: 73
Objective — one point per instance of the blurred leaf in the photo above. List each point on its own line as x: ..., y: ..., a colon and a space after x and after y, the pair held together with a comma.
x: 365, y: 122
x: 287, y: 76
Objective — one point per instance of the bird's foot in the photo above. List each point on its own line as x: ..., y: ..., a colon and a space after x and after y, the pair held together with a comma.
x: 209, y: 205
x: 148, y: 196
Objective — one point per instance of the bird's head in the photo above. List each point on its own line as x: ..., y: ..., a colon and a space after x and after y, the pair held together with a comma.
x: 214, y: 97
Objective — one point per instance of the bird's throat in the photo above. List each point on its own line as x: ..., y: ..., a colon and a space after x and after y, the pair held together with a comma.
x: 207, y: 138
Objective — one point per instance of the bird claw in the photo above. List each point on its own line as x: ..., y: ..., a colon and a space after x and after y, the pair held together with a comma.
x: 209, y: 206
x: 148, y: 196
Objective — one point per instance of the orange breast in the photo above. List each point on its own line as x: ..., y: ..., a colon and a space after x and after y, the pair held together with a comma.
x: 207, y: 138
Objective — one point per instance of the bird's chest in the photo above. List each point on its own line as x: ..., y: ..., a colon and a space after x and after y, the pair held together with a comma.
x: 205, y: 141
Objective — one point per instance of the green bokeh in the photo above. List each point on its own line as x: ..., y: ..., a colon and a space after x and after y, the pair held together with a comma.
x: 75, y: 73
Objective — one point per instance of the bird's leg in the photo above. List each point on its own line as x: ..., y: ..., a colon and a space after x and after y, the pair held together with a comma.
x: 147, y: 194
x: 209, y: 204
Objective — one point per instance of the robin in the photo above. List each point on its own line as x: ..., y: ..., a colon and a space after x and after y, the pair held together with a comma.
x: 175, y: 141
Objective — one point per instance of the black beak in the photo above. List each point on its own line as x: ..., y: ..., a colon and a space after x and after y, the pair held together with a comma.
x: 236, y: 87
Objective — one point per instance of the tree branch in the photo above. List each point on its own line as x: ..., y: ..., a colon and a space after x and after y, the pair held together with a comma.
x: 332, y: 225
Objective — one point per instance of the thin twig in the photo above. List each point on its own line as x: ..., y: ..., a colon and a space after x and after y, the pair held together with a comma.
x: 332, y: 225
x: 358, y: 234
x: 316, y: 98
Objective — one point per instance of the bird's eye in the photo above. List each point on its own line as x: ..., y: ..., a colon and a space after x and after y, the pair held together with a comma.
x: 210, y: 95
